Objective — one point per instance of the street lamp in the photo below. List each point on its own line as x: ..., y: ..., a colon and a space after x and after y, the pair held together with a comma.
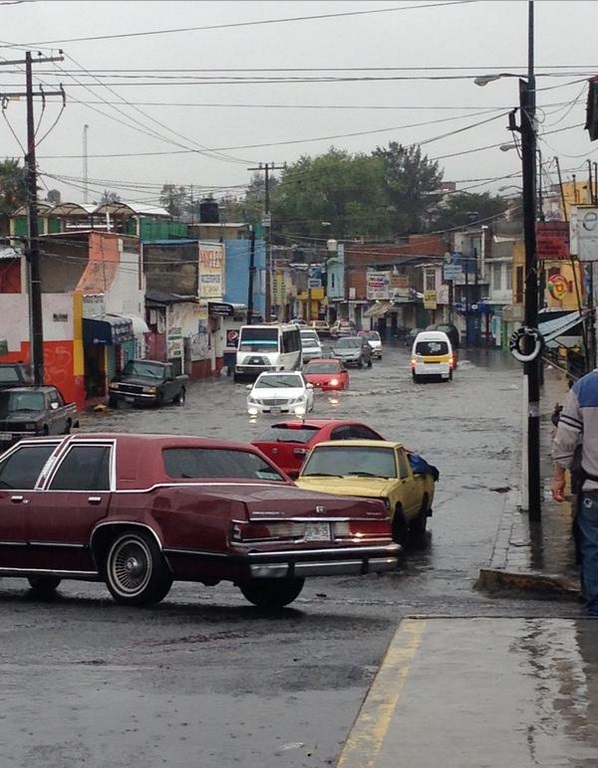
x: 531, y: 369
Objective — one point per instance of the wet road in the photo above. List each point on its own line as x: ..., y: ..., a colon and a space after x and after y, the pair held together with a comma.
x: 203, y: 679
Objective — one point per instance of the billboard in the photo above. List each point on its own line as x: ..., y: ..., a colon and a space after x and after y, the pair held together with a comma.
x: 211, y: 270
x: 377, y: 285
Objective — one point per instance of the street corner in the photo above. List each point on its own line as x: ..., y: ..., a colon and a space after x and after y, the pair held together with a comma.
x: 500, y: 582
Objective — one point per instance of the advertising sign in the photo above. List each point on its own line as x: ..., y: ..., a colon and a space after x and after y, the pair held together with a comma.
x: 552, y: 240
x: 586, y: 224
x: 211, y: 270
x: 378, y: 285
x: 429, y: 299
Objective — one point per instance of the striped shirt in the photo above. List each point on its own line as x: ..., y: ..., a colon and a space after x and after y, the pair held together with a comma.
x: 579, y: 419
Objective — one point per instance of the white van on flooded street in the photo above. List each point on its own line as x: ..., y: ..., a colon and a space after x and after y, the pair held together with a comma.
x: 432, y: 356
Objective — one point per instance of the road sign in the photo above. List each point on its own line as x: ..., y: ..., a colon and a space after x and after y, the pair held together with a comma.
x: 452, y: 271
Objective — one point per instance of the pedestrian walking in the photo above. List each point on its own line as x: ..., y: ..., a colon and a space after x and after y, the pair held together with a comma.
x: 578, y: 424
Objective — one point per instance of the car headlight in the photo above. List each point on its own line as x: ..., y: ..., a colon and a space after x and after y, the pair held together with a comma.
x: 251, y: 400
x: 333, y: 382
x: 114, y: 385
x: 150, y: 390
x: 252, y: 411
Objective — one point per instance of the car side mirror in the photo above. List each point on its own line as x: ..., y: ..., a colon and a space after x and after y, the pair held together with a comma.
x: 248, y: 386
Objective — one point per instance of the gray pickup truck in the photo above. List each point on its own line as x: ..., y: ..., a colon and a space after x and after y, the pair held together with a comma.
x: 147, y: 382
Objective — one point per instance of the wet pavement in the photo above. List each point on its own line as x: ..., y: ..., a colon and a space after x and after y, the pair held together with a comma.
x: 481, y: 693
x: 536, y: 556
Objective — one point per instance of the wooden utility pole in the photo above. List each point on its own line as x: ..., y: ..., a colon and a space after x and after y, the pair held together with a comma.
x: 32, y: 251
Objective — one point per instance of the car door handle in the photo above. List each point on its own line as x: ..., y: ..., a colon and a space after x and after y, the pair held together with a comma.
x: 94, y: 499
x: 19, y: 499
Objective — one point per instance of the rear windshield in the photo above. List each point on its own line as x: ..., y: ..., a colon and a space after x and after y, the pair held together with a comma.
x: 431, y: 348
x: 311, y: 337
x: 204, y: 463
x: 283, y: 433
x: 321, y: 368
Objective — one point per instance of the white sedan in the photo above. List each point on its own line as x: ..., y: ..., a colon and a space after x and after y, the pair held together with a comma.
x: 280, y: 392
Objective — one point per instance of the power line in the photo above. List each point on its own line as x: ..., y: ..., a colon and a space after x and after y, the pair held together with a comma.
x: 237, y: 24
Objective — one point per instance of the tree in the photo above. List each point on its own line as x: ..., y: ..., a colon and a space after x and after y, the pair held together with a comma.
x: 109, y: 197
x: 174, y: 199
x: 13, y: 186
x: 409, y: 182
x: 335, y: 193
x: 459, y: 209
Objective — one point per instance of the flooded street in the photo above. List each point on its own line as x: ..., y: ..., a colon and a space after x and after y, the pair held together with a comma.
x: 205, y: 680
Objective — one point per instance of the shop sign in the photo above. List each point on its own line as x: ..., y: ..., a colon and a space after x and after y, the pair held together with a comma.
x: 211, y: 270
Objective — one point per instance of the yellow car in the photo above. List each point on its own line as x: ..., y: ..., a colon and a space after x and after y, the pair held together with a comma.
x: 377, y: 469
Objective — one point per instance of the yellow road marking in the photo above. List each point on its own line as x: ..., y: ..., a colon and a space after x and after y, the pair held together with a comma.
x: 373, y: 721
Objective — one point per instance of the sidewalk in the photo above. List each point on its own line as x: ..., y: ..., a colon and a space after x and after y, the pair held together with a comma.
x: 538, y: 557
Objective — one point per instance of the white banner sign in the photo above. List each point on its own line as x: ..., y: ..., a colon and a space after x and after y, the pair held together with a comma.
x: 211, y: 270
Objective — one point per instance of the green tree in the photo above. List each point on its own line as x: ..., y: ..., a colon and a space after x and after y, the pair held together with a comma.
x: 337, y: 193
x: 109, y: 197
x: 409, y: 183
x: 174, y: 199
x: 13, y: 186
x: 459, y: 209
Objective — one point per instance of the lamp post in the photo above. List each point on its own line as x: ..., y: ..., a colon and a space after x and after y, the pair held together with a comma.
x: 531, y: 498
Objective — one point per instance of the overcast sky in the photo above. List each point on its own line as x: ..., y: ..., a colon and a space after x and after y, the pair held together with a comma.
x: 405, y: 74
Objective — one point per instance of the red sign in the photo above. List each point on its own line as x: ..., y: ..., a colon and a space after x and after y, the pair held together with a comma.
x: 552, y: 240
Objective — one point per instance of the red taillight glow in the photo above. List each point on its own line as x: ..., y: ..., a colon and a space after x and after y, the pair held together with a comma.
x: 292, y: 530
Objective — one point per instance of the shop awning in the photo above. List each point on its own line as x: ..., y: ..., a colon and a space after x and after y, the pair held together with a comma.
x: 226, y: 308
x: 139, y: 325
x: 107, y: 329
x: 553, y: 329
x: 379, y: 309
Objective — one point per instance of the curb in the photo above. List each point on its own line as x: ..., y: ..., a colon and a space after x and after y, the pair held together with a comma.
x: 496, y: 581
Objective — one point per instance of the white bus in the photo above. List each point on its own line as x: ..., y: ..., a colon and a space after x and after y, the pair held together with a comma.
x: 267, y: 348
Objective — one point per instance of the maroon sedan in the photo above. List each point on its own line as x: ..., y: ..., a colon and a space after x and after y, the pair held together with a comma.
x: 327, y: 375
x: 287, y: 443
x: 141, y: 511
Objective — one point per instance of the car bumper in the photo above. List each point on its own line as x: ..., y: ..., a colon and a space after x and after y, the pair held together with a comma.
x: 324, y: 562
x: 137, y: 398
x: 432, y: 369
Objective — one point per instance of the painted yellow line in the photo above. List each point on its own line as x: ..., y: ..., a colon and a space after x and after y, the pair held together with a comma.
x: 373, y: 721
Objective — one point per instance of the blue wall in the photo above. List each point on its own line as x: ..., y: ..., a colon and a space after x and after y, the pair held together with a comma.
x: 237, y: 273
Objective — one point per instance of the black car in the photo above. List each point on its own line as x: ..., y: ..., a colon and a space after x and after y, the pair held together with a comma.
x: 353, y: 350
x: 34, y: 411
x: 15, y: 375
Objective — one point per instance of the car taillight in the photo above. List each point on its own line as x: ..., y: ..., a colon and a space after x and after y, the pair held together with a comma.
x: 451, y: 362
x: 274, y: 531
x: 362, y: 529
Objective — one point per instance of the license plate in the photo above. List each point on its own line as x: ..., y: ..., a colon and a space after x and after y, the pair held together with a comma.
x: 129, y: 399
x: 275, y: 409
x: 5, y: 435
x: 317, y: 532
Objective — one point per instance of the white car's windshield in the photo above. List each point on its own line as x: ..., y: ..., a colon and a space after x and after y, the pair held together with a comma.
x: 282, y: 380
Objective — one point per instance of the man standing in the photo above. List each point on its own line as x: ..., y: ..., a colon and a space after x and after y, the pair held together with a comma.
x: 579, y: 422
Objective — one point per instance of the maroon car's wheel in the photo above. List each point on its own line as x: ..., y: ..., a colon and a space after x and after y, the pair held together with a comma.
x: 43, y: 586
x: 135, y: 571
x: 271, y: 594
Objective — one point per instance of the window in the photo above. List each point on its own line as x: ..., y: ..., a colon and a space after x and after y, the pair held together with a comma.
x: 509, y: 277
x: 204, y: 463
x: 84, y: 468
x: 430, y: 279
x: 497, y: 277
x: 403, y: 464
x: 431, y: 348
x: 22, y: 468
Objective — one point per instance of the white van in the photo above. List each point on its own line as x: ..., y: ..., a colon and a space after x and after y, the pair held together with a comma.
x: 432, y: 355
x: 311, y: 347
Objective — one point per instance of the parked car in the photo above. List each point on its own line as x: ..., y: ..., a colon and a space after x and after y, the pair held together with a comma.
x: 287, y: 443
x: 15, y: 375
x: 141, y: 511
x: 30, y: 411
x: 321, y: 327
x: 326, y: 374
x: 310, y: 344
x: 299, y: 321
x: 353, y: 350
x: 147, y: 382
x: 280, y: 392
x: 432, y: 356
x: 411, y: 336
x: 374, y: 469
x: 342, y: 328
x: 375, y: 342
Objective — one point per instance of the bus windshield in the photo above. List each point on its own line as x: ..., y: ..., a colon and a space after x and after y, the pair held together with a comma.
x: 259, y: 340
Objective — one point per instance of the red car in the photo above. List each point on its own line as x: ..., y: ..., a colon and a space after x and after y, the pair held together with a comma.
x: 287, y: 443
x: 141, y: 511
x: 327, y: 375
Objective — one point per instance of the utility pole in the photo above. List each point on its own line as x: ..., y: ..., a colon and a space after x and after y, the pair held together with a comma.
x: 32, y: 251
x: 85, y: 178
x: 251, y: 273
x: 266, y: 222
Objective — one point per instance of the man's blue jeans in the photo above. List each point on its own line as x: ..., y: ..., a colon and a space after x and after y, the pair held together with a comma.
x: 587, y: 521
